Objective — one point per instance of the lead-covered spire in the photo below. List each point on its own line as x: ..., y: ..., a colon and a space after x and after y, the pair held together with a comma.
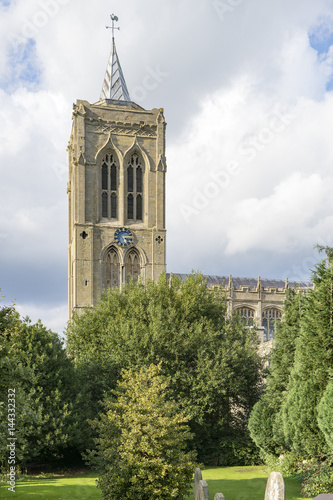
x: 114, y: 85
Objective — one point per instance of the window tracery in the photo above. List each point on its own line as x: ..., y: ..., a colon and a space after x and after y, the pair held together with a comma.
x: 135, y: 188
x: 132, y: 266
x: 109, y: 185
x: 112, y: 269
x: 269, y: 320
x: 246, y: 315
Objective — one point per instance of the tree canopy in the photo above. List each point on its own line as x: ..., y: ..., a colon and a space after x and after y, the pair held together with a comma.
x: 210, y: 361
x: 34, y: 364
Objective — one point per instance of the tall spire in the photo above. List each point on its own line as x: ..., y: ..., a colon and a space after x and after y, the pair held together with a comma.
x: 114, y: 85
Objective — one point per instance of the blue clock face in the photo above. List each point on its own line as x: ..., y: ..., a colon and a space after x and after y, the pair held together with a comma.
x: 123, y: 237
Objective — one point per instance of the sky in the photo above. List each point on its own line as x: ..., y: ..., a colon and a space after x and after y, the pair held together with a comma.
x: 247, y: 92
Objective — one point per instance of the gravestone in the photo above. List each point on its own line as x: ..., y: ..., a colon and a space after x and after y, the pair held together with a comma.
x: 219, y: 496
x: 197, y: 479
x: 275, y: 487
x: 203, y: 490
x: 324, y: 496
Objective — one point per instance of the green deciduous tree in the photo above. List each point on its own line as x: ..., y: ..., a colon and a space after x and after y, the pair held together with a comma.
x: 142, y: 441
x: 34, y: 363
x: 211, y: 362
x: 14, y: 374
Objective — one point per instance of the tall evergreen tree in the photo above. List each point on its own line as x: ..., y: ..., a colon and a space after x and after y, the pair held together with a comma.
x: 294, y: 412
x: 313, y: 361
x: 325, y: 415
x: 265, y: 420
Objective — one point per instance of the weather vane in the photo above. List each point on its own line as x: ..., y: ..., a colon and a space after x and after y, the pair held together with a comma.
x: 113, y: 19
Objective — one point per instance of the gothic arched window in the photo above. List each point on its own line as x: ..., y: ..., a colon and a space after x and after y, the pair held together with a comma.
x: 109, y: 185
x: 132, y: 266
x: 112, y: 269
x: 135, y: 188
x: 269, y: 319
x: 247, y: 315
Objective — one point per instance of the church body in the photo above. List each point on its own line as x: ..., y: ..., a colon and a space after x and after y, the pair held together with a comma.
x: 258, y: 302
x: 116, y: 192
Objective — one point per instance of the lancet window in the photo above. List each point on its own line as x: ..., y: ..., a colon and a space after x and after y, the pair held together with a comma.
x: 109, y: 185
x: 135, y: 188
x: 112, y: 269
x: 269, y: 320
x: 132, y: 266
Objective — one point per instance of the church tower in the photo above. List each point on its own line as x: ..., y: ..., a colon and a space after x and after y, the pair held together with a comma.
x: 116, y: 192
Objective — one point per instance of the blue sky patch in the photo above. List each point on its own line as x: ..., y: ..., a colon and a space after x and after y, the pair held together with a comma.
x: 25, y: 68
x: 329, y: 85
x: 29, y: 70
x: 321, y: 37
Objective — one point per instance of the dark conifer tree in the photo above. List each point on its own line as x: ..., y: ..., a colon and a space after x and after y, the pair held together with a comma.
x: 313, y: 361
x: 295, y: 411
x: 325, y: 415
x: 265, y: 419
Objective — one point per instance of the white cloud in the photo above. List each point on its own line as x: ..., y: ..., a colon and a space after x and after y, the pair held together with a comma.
x: 55, y: 318
x: 33, y: 188
x: 277, y: 200
x: 301, y: 72
x: 287, y: 220
x: 250, y: 90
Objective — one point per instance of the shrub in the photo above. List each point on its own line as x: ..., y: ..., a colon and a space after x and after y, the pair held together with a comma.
x: 142, y: 441
x: 287, y: 463
x: 317, y: 476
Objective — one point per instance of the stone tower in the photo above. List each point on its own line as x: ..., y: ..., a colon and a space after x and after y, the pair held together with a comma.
x: 116, y: 192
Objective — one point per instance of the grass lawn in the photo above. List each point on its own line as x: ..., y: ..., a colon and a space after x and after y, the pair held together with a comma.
x: 236, y: 483
x: 62, y: 487
x: 244, y: 483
